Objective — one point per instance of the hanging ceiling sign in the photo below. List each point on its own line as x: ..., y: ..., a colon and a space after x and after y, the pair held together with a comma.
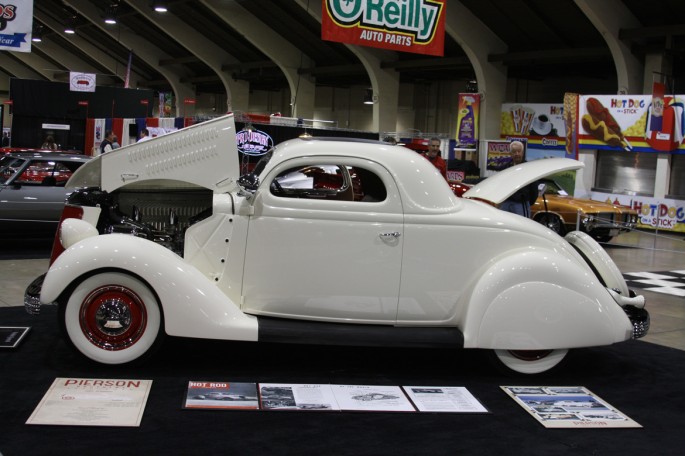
x: 253, y: 142
x: 15, y: 26
x: 416, y: 26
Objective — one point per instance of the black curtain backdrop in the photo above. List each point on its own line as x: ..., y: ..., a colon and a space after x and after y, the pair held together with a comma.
x: 642, y: 380
x: 44, y: 102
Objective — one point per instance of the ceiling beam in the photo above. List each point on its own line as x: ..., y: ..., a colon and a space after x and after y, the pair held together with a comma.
x: 660, y: 31
x: 551, y: 55
x: 415, y: 64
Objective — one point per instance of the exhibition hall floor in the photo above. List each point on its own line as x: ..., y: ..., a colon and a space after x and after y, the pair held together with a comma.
x: 642, y: 379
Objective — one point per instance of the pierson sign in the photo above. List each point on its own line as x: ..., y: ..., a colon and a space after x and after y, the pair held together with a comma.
x: 416, y: 26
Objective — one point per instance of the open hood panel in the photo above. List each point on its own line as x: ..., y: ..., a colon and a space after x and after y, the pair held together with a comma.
x: 205, y: 154
x: 502, y: 185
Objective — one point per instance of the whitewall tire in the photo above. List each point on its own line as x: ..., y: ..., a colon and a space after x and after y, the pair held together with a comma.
x: 112, y: 318
x: 530, y: 361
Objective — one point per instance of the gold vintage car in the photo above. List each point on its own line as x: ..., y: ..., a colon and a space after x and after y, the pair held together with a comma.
x: 563, y: 213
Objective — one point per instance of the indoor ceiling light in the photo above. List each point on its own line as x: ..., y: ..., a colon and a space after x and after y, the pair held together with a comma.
x: 111, y: 14
x: 368, y: 97
x: 159, y: 6
x: 37, y: 35
x: 69, y: 28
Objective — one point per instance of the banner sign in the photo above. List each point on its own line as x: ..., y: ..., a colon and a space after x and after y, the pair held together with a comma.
x: 468, y: 112
x: 81, y: 82
x: 570, y: 115
x: 165, y: 104
x: 416, y: 26
x: 541, y: 125
x: 657, y: 116
x: 16, y: 25
x: 498, y: 157
x: 654, y: 213
x: 625, y: 122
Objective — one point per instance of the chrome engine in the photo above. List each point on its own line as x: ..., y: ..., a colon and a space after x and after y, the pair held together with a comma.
x: 161, y: 217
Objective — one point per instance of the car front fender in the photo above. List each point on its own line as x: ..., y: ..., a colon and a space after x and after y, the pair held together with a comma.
x: 542, y: 299
x: 193, y: 305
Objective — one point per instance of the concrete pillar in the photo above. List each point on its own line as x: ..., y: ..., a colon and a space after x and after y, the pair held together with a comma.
x: 237, y: 92
x: 288, y: 58
x: 608, y: 17
x: 478, y: 42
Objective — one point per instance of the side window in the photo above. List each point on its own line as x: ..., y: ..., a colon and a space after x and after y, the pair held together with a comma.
x: 368, y: 187
x: 38, y: 172
x: 330, y: 182
x: 48, y: 173
x: 324, y: 182
x: 62, y: 174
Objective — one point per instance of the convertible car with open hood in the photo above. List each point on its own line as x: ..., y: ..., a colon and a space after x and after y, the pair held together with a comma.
x: 327, y: 241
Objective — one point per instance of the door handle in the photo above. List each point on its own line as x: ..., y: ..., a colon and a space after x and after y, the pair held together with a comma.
x: 394, y: 234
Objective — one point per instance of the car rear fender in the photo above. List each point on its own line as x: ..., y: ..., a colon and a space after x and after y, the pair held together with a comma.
x: 192, y: 304
x: 541, y: 299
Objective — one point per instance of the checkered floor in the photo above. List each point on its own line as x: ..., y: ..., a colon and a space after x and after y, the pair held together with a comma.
x: 667, y: 282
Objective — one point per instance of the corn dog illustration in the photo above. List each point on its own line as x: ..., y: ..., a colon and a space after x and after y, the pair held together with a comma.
x: 601, y: 125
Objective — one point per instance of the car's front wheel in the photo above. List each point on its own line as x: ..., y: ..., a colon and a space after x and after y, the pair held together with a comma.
x: 551, y: 221
x: 530, y: 361
x: 112, y: 318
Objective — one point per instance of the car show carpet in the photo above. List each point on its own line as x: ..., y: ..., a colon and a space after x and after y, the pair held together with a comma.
x: 642, y: 380
x: 667, y: 282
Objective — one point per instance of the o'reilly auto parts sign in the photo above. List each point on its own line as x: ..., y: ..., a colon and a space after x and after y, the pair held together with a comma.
x: 399, y: 25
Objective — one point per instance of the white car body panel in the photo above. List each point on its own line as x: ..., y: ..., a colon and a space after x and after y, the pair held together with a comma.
x: 193, y: 305
x: 502, y: 185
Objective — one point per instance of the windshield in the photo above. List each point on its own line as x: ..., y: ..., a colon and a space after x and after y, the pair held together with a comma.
x: 9, y: 167
x: 261, y: 164
x: 552, y: 188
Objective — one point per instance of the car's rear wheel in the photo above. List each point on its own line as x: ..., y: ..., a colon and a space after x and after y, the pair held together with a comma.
x: 552, y: 221
x: 530, y: 361
x: 112, y: 318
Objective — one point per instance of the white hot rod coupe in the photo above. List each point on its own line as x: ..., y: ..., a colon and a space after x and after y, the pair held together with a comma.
x: 327, y: 241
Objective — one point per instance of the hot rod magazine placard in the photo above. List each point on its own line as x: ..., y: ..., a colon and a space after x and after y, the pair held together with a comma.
x: 568, y: 407
x: 93, y: 402
x: 221, y: 395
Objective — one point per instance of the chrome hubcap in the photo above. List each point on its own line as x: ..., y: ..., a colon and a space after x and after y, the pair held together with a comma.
x: 113, y: 317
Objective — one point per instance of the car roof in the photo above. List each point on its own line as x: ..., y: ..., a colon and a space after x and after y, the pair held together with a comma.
x: 49, y: 155
x: 421, y: 183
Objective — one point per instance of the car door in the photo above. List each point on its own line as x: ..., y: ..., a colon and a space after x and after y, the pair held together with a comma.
x: 325, y: 242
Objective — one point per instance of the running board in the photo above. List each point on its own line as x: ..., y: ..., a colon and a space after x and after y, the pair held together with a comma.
x: 282, y: 330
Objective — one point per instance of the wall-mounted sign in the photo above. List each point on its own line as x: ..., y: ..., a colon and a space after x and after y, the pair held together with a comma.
x: 81, y: 82
x: 253, y: 142
x: 416, y: 26
x: 49, y: 126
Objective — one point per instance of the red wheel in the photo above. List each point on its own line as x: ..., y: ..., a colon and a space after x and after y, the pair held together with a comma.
x: 113, y: 318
